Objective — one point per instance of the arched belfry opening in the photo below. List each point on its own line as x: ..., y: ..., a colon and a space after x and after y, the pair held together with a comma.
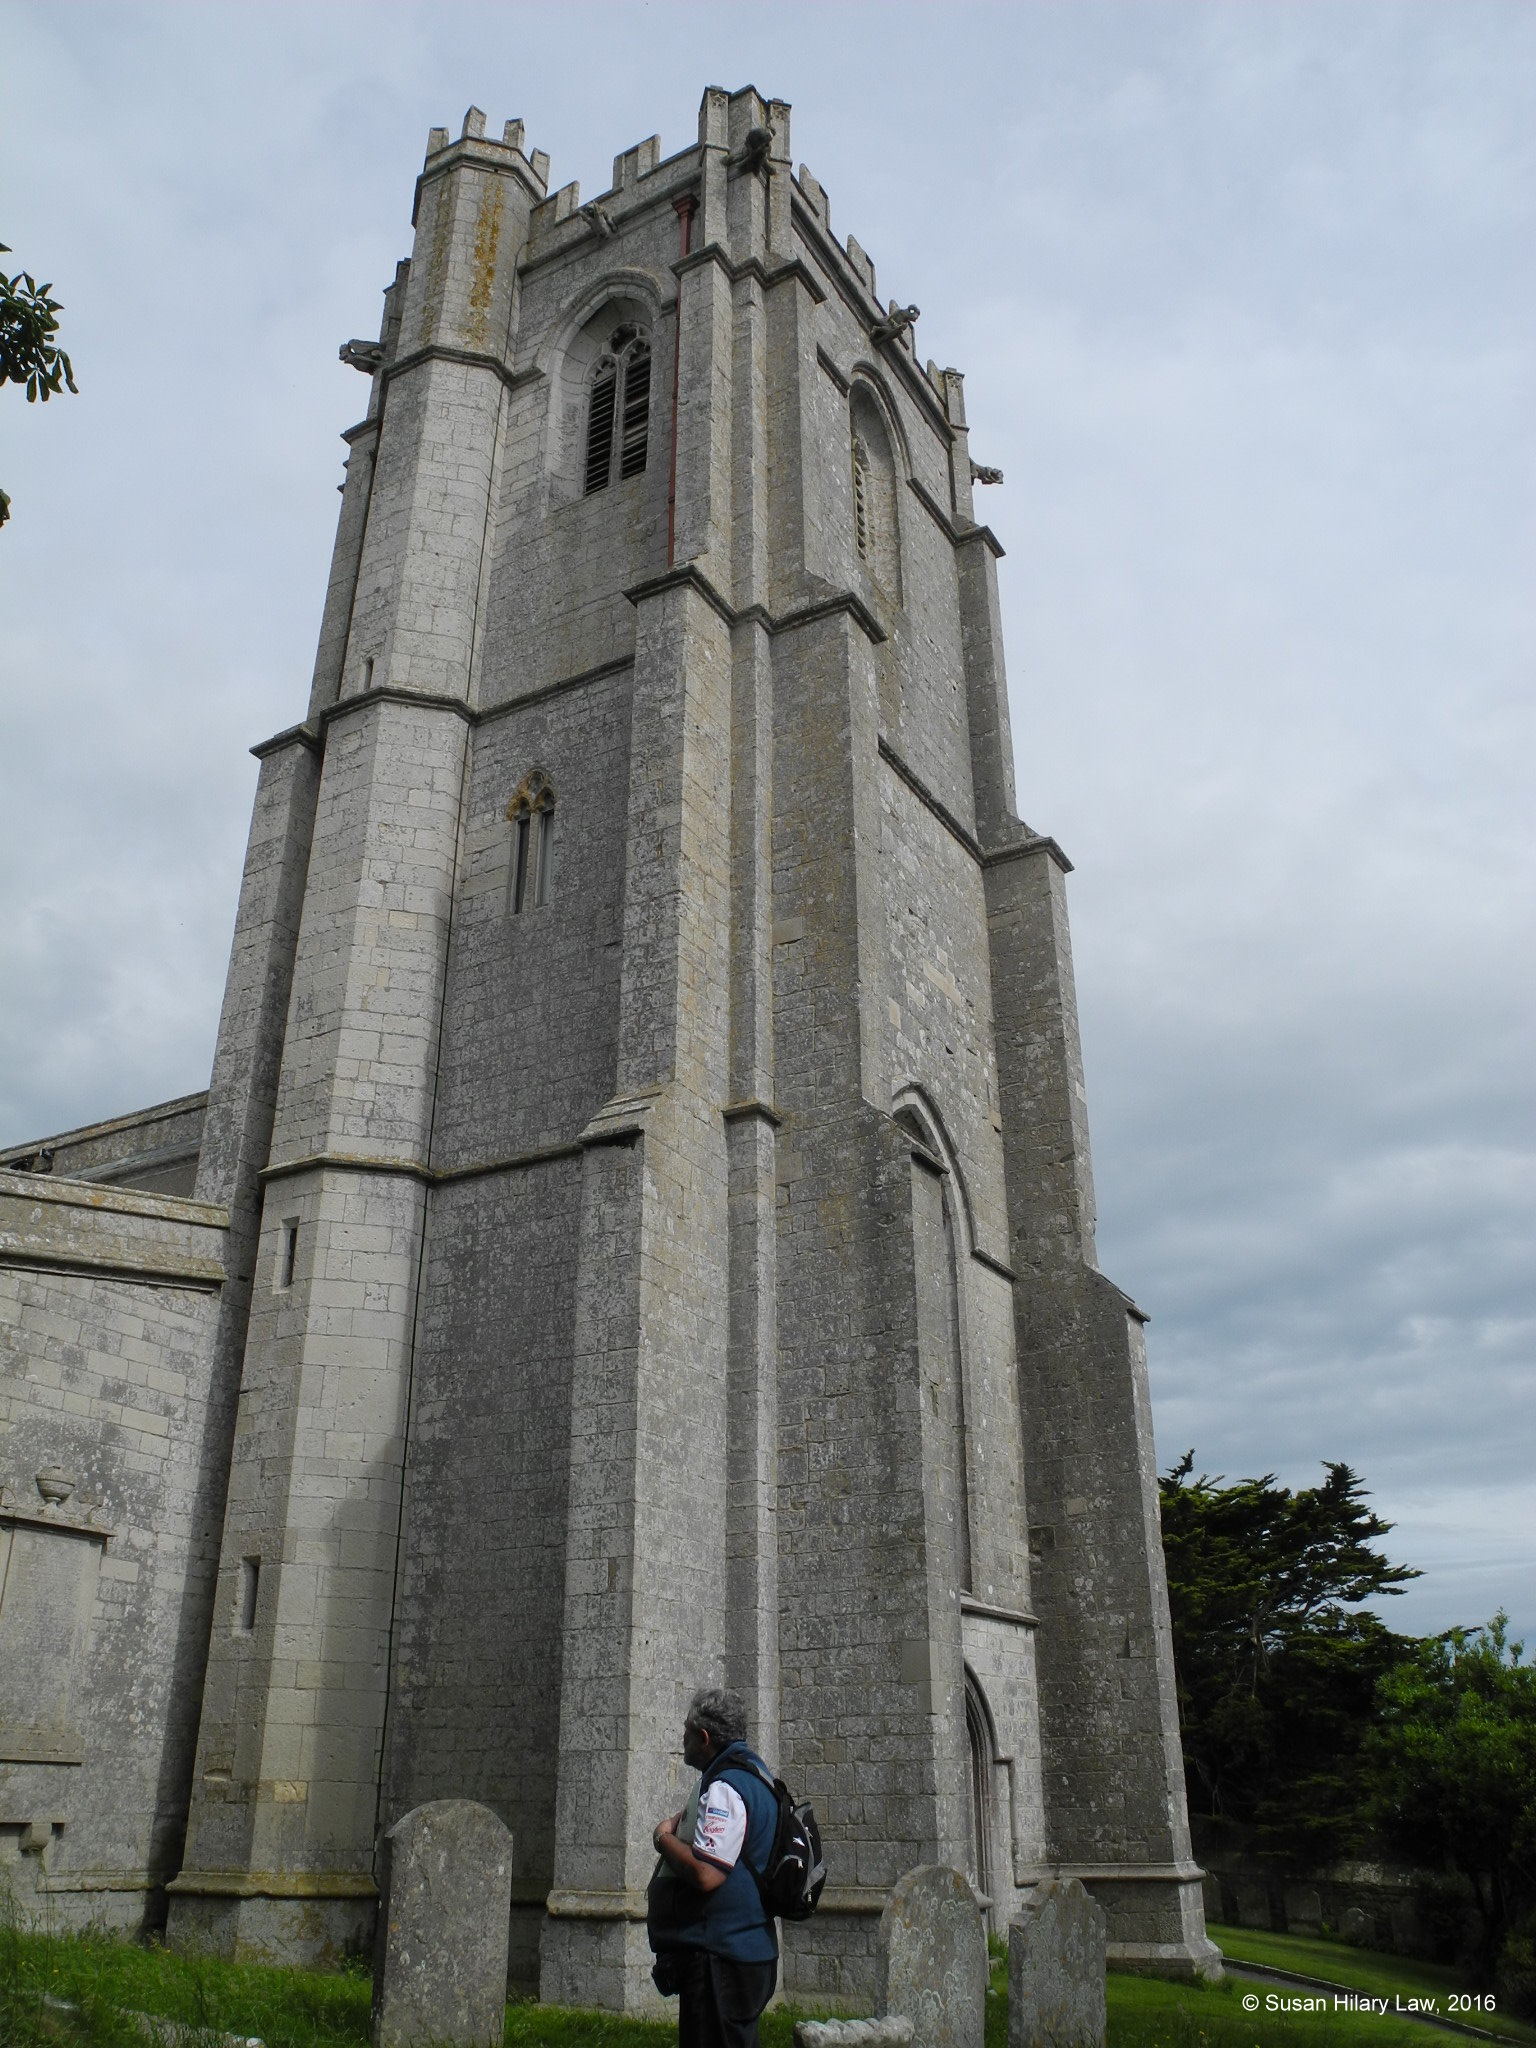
x: 604, y: 387
x: 876, y: 524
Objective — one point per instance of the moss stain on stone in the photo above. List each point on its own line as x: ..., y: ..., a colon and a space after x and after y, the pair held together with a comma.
x: 483, y: 275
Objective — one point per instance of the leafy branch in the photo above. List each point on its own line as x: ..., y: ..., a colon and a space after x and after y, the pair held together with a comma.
x: 29, y: 351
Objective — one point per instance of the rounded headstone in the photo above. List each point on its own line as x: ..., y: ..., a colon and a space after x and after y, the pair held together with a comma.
x: 440, y: 1955
x: 933, y: 1958
x: 1057, y: 1946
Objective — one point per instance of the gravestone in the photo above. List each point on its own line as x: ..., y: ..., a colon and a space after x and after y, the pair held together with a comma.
x: 933, y: 1959
x: 1358, y: 1928
x: 1056, y: 1950
x: 1303, y: 1910
x: 440, y: 1954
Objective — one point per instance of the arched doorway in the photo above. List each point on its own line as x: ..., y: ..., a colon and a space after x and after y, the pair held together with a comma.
x: 978, y: 1732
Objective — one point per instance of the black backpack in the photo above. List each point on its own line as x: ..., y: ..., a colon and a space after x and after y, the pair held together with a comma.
x: 789, y: 1883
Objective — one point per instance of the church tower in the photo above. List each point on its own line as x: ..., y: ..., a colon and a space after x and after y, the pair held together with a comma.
x: 649, y: 1109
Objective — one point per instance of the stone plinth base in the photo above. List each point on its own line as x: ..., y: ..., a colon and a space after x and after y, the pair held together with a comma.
x: 833, y: 1958
x: 595, y: 1954
x: 326, y: 1922
x: 1156, y: 1920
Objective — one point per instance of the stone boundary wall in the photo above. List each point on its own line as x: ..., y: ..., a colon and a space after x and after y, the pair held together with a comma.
x: 1384, y: 1906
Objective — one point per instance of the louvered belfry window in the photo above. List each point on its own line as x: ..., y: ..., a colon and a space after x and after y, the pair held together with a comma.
x: 619, y: 410
x: 605, y: 387
x: 637, y: 409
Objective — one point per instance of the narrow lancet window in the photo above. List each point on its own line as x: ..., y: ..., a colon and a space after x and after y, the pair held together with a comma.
x: 860, y: 497
x: 522, y: 830
x: 531, y: 814
x: 250, y: 1586
x: 543, y: 854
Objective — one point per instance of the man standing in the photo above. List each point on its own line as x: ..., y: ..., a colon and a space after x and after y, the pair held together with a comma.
x: 718, y: 1948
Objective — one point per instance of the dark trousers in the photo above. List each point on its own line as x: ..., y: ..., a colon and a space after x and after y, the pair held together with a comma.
x: 719, y: 2000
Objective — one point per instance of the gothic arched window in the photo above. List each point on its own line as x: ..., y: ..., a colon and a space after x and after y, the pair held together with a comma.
x: 979, y: 1744
x: 531, y: 814
x: 876, y: 527
x: 618, y: 410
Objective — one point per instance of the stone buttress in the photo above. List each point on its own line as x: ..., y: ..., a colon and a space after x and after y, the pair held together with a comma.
x: 280, y: 1845
x: 649, y: 1109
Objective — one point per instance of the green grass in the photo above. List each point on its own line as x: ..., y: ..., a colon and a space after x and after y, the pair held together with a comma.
x: 1154, y: 2012
x: 1384, y: 1976
x: 287, y: 2008
x: 1151, y: 2012
x: 105, y: 1978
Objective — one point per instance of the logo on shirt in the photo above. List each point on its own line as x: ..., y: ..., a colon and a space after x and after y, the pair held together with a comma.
x: 722, y: 1825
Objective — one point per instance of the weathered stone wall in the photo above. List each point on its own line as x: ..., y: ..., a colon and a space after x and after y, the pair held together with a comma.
x: 530, y: 1039
x: 107, y: 1306
x: 475, y: 1700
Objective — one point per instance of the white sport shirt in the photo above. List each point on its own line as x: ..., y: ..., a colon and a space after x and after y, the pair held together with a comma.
x: 721, y: 1827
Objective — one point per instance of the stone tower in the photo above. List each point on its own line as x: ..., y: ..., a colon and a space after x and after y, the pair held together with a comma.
x: 649, y: 1110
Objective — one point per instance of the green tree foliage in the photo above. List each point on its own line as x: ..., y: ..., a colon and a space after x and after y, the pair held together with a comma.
x: 1276, y: 1675
x: 1454, y: 1752
x: 29, y: 351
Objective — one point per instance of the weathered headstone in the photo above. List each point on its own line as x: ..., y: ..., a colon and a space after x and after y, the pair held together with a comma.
x: 1303, y: 1910
x: 1056, y: 1949
x: 440, y: 1955
x: 933, y: 1958
x: 1357, y: 1927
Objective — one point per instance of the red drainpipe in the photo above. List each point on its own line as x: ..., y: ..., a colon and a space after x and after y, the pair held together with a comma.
x: 686, y: 207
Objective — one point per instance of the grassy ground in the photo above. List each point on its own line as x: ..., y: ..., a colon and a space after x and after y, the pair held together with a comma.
x: 105, y: 1979
x: 1382, y: 1976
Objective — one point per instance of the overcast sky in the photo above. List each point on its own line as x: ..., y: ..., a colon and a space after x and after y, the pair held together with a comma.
x: 1244, y: 295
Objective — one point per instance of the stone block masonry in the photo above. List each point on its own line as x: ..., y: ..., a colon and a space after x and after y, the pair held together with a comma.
x: 109, y: 1300
x: 645, y: 1233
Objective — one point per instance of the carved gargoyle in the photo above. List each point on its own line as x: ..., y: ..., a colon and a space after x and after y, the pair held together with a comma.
x: 753, y: 154
x: 597, y: 220
x: 981, y: 473
x: 362, y: 355
x: 897, y: 320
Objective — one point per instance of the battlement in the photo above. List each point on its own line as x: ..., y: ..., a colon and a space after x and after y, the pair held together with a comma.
x: 474, y: 146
